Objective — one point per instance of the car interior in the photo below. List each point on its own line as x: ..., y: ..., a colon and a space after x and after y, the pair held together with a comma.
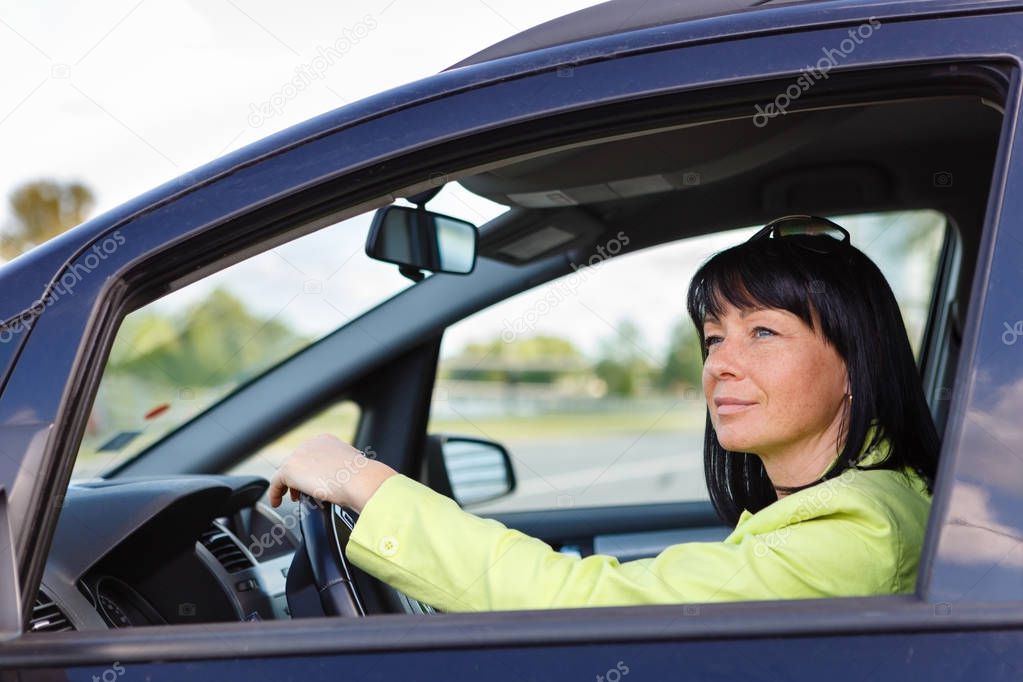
x: 164, y: 537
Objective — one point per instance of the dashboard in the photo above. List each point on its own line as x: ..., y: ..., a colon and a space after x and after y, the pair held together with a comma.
x: 162, y: 550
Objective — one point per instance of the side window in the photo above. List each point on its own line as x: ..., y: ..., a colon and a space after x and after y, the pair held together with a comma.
x: 340, y: 419
x: 593, y: 381
x: 181, y: 354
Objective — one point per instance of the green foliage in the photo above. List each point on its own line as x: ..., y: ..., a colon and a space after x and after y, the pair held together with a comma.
x: 537, y: 359
x: 619, y: 378
x: 623, y: 365
x: 683, y: 366
x: 214, y: 342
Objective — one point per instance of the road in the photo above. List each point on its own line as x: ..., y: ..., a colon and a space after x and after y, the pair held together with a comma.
x: 630, y: 468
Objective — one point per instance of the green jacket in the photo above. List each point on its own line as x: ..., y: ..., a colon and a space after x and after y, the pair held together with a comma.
x: 857, y: 534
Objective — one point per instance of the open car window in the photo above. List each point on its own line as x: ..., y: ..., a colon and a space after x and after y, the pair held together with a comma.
x: 592, y: 381
x: 178, y: 355
x: 174, y: 358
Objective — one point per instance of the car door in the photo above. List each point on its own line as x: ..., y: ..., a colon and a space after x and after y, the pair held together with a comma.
x: 964, y: 618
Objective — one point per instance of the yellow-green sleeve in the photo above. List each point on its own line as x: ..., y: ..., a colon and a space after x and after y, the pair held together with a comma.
x: 425, y: 545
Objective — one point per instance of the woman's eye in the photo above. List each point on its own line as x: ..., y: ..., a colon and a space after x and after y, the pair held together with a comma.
x: 758, y: 332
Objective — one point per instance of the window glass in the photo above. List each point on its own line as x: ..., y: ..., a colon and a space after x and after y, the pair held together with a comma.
x: 340, y: 419
x: 177, y: 356
x: 592, y: 381
x: 174, y: 358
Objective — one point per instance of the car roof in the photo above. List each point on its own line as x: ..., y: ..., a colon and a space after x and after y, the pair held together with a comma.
x: 616, y: 16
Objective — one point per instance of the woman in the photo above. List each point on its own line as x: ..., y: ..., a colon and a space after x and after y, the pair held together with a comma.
x: 819, y: 451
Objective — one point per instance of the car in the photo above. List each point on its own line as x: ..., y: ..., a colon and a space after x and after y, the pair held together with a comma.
x: 149, y: 383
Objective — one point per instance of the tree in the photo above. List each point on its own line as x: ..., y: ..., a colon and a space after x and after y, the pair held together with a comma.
x: 42, y: 210
x: 536, y: 359
x: 622, y: 364
x: 215, y: 341
x: 683, y: 364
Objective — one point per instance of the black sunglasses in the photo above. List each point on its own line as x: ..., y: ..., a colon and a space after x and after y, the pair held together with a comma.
x: 792, y: 225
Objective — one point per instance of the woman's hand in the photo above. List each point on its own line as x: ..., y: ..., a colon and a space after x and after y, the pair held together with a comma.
x: 331, y: 470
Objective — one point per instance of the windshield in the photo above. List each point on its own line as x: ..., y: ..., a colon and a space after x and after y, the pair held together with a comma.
x: 175, y: 357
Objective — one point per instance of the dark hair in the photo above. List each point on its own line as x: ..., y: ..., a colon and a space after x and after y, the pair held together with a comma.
x: 858, y: 316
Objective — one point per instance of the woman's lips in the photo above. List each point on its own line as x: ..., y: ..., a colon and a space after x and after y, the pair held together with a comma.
x: 732, y: 408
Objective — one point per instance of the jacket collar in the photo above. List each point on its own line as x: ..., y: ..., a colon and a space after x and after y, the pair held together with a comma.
x: 867, y: 455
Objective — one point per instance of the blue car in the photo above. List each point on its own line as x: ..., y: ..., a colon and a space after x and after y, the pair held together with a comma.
x: 479, y: 279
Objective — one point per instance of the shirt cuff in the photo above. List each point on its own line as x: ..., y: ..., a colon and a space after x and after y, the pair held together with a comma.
x: 390, y: 542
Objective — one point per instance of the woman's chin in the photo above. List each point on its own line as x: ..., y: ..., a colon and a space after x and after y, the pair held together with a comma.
x: 735, y: 442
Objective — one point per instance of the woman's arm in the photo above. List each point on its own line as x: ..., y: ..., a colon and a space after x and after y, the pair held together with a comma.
x: 835, y: 540
x: 425, y: 545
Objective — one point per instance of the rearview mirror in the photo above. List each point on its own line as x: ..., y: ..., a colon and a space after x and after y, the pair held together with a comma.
x: 417, y: 239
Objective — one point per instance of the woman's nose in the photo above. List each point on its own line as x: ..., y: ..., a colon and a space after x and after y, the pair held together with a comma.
x: 724, y: 360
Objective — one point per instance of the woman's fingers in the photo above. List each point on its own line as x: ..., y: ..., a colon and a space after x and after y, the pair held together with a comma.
x: 312, y: 469
x: 277, y: 489
x: 328, y: 469
x: 282, y: 484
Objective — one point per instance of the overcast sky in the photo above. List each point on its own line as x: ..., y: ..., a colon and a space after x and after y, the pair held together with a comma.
x: 124, y: 95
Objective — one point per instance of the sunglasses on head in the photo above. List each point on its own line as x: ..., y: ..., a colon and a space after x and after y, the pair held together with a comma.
x: 806, y: 225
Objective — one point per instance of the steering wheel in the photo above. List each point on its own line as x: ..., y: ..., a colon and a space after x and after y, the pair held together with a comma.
x: 341, y: 586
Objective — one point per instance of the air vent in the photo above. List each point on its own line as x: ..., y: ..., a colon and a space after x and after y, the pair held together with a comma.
x: 47, y: 616
x: 222, y: 545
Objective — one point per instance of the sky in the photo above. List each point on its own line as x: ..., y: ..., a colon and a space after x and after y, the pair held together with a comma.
x: 125, y: 95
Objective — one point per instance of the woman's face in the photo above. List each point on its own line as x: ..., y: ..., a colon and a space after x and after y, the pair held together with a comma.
x: 785, y: 383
